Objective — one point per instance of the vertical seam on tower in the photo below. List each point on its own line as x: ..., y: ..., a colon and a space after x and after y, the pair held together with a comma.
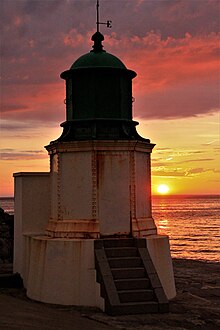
x: 50, y: 185
x: 133, y: 187
x: 150, y: 192
x: 94, y: 185
x: 58, y: 187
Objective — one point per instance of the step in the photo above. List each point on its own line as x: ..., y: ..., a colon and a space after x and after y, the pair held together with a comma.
x: 125, y: 262
x: 118, y: 242
x: 121, y: 252
x: 136, y: 295
x: 132, y: 283
x: 128, y: 272
x: 134, y: 308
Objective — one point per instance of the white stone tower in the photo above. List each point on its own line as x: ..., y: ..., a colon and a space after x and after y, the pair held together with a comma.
x: 98, y: 190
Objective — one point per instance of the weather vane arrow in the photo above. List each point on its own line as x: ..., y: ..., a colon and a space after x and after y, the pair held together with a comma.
x: 108, y: 22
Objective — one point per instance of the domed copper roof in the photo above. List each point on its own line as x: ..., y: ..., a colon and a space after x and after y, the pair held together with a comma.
x: 98, y: 57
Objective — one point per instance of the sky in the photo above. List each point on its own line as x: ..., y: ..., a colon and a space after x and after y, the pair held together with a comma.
x: 173, y: 45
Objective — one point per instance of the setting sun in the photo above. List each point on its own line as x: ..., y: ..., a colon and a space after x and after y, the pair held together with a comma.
x: 163, y: 189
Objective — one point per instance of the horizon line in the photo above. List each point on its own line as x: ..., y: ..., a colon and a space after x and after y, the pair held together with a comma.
x: 153, y: 195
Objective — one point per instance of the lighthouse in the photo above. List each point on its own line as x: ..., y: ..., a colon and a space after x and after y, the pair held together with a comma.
x: 84, y: 232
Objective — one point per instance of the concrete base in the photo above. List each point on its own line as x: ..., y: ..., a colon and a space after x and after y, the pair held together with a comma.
x: 62, y: 271
x: 159, y: 250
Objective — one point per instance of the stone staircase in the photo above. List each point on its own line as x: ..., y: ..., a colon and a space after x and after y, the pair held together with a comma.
x: 128, y: 279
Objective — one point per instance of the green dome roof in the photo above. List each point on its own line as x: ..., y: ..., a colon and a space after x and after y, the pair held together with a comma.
x: 98, y: 59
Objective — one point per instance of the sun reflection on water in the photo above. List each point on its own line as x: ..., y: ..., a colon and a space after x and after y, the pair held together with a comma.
x: 192, y: 225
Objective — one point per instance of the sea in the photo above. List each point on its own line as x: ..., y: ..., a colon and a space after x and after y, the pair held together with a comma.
x: 191, y: 222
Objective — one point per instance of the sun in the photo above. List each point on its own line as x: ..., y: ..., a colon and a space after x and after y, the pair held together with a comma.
x: 163, y: 189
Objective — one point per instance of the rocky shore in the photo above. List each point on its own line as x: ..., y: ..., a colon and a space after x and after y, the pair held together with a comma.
x: 6, y: 237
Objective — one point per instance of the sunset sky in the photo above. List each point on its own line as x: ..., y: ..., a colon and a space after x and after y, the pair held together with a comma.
x: 173, y: 45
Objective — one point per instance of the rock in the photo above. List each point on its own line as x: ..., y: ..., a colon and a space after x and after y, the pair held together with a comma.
x: 6, y: 236
x: 5, y: 249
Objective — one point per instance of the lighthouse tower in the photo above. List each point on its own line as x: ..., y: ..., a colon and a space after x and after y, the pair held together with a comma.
x: 84, y: 232
x: 100, y: 166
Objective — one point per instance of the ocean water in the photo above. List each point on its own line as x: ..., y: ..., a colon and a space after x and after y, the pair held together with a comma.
x: 192, y: 223
x: 7, y: 204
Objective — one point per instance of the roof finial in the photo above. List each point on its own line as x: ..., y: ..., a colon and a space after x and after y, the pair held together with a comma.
x: 98, y: 37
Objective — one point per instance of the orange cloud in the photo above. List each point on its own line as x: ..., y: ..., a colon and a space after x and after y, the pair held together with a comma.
x: 162, y: 63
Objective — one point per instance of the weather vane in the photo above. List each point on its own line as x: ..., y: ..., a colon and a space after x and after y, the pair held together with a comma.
x: 108, y: 23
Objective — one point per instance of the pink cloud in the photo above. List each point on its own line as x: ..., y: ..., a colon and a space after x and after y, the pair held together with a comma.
x: 161, y: 62
x: 176, y: 77
x: 177, y: 63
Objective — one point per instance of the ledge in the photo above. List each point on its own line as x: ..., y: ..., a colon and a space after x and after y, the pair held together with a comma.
x: 31, y: 174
